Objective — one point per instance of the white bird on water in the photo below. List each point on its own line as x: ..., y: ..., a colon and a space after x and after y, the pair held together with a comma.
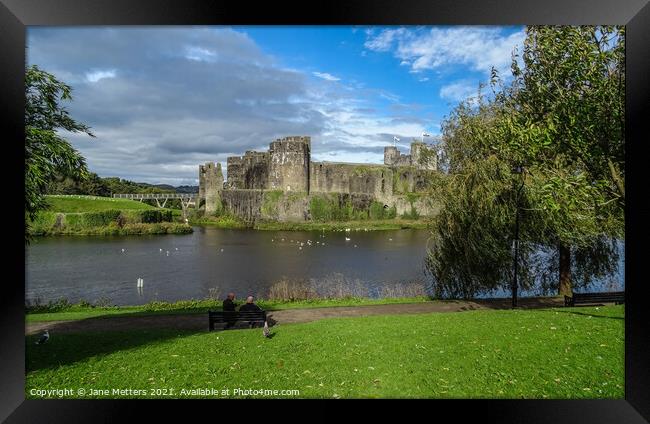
x: 44, y: 337
x: 161, y: 249
x: 123, y: 250
x: 347, y: 239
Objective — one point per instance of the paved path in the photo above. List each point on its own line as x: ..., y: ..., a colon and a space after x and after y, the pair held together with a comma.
x: 200, y: 322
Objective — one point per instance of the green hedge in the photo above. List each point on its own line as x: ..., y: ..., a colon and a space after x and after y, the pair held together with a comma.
x: 155, y: 216
x: 376, y: 210
x: 100, y: 219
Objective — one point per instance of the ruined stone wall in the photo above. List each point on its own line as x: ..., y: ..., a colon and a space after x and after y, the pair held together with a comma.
x: 423, y: 206
x: 272, y: 205
x: 289, y: 164
x: 246, y: 204
x: 212, y: 178
x: 255, y: 171
x: 329, y: 177
x: 423, y: 156
x: 393, y: 157
x: 235, y: 178
x: 201, y: 183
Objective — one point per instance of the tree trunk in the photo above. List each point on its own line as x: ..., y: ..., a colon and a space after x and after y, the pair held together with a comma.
x: 565, y: 271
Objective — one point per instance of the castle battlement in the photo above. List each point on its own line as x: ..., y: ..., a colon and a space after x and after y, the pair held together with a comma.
x: 422, y: 156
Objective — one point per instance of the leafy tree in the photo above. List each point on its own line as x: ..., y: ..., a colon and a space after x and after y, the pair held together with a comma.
x: 47, y: 153
x: 566, y: 113
x: 561, y: 119
x: 93, y: 186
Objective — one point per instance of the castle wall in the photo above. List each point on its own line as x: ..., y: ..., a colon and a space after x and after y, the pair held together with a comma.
x: 246, y: 204
x: 212, y: 179
x: 255, y: 172
x: 201, y: 183
x: 393, y: 157
x: 289, y: 164
x: 328, y: 177
x: 423, y: 156
x: 235, y: 178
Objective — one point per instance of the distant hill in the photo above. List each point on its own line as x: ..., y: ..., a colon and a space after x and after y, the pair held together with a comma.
x: 107, y: 186
x: 187, y: 189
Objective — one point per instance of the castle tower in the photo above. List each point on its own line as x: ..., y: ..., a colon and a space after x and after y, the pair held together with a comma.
x: 391, y: 155
x: 423, y: 156
x: 210, y: 186
x: 289, y: 159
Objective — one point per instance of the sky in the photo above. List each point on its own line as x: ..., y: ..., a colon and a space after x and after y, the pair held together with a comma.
x: 162, y: 100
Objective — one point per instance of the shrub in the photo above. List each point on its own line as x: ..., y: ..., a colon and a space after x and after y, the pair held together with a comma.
x: 413, y: 214
x: 155, y: 216
x: 99, y: 219
x: 376, y: 210
x: 320, y: 209
x: 391, y: 212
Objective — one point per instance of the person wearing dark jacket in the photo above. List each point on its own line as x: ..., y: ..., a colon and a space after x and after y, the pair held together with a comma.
x: 249, y: 306
x: 229, y: 306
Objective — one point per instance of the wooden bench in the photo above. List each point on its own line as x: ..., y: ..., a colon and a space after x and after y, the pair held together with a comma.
x: 221, y: 317
x: 588, y: 298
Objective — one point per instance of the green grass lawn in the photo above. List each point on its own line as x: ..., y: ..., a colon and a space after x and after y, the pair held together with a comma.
x: 567, y: 353
x: 76, y: 204
x: 80, y: 311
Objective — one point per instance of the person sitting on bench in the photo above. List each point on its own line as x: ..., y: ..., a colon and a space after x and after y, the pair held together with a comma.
x: 229, y: 306
x: 249, y: 306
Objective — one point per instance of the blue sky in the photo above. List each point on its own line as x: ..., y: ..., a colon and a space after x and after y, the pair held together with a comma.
x: 161, y: 100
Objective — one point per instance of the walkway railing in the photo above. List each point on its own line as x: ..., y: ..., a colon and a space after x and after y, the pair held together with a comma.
x: 185, y: 198
x: 145, y: 196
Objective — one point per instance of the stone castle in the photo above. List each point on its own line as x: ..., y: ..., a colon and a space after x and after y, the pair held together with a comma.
x: 287, y: 174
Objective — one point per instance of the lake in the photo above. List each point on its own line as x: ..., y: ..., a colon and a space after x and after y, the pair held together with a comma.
x: 243, y: 261
x: 213, y: 262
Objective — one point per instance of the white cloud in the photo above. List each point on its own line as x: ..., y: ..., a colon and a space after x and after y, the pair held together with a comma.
x: 326, y: 76
x: 480, y: 48
x: 164, y: 112
x: 459, y: 90
x: 200, y: 54
x: 384, y: 41
x: 97, y: 75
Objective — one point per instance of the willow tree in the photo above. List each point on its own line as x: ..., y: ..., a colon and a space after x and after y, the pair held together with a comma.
x: 47, y: 153
x: 561, y: 119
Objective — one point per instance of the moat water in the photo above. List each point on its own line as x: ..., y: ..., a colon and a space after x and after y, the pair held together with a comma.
x: 211, y: 262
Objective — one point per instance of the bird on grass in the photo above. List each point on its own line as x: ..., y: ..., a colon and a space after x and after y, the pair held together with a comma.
x: 44, y: 337
x: 266, y: 330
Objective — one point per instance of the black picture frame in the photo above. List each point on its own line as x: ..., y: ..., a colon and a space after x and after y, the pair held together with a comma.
x: 15, y: 15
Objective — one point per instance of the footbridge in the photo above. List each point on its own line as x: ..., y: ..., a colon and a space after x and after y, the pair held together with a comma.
x: 187, y: 199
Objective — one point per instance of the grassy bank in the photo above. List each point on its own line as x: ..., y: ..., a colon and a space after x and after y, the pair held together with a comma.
x: 225, y: 222
x: 568, y: 353
x: 79, y: 204
x: 90, y: 215
x: 231, y: 222
x: 61, y: 311
x: 369, y: 225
